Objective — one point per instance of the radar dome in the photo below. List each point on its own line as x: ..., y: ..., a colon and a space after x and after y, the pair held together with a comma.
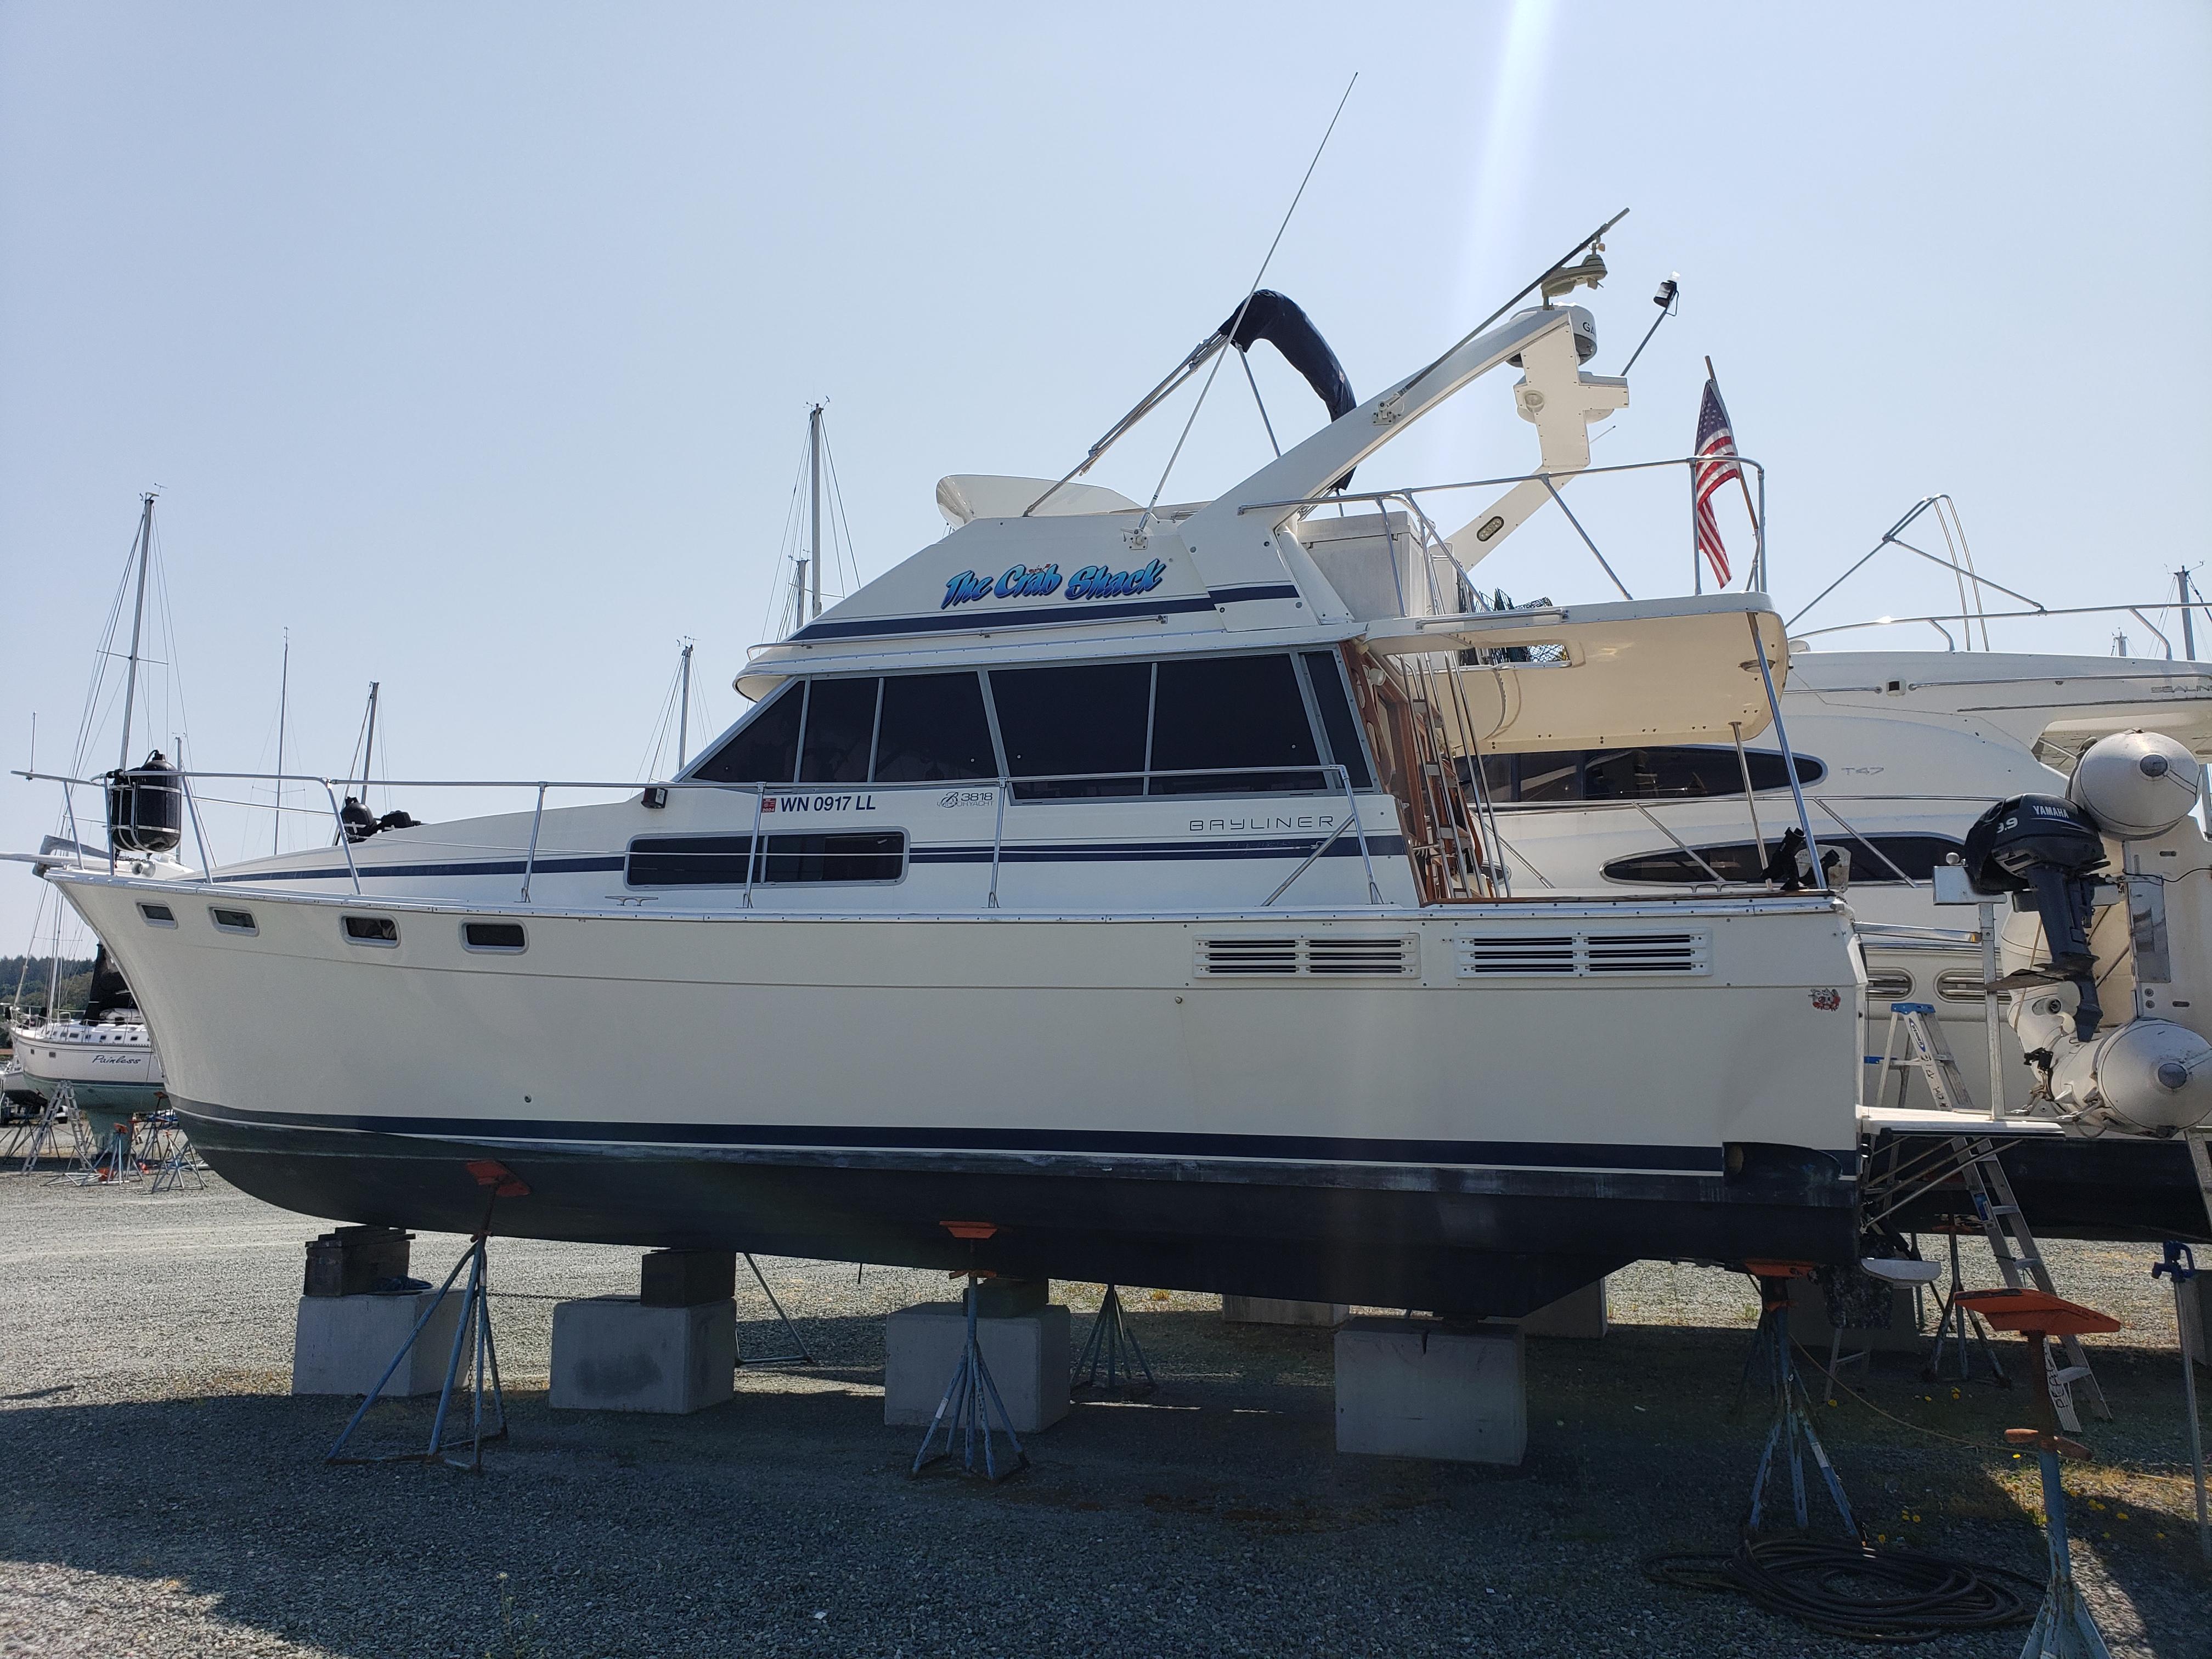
x: 2134, y: 784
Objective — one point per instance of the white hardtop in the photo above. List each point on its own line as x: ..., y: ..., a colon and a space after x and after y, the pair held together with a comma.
x: 2051, y: 704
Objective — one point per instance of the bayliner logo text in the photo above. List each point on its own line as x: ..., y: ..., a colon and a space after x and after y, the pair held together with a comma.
x: 1021, y: 581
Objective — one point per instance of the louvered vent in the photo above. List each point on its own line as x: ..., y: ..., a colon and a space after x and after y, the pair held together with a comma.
x: 1248, y: 955
x: 1579, y: 955
x: 1327, y: 956
x: 1334, y: 954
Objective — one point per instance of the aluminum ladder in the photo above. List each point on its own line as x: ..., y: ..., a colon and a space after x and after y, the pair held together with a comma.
x: 2018, y: 1257
x: 1927, y: 1054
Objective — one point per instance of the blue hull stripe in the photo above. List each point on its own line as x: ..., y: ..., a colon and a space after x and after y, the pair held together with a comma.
x: 1309, y: 1149
x: 1169, y: 852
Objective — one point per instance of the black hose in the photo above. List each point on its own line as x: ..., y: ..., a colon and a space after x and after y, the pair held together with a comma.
x: 1841, y: 1588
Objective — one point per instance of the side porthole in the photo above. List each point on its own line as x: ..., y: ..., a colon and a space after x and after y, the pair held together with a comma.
x: 372, y: 930
x: 501, y: 936
x: 158, y: 915
x: 232, y: 922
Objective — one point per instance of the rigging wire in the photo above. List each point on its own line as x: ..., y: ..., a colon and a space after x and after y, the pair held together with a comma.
x: 838, y: 497
x: 1236, y: 322
x: 779, y: 598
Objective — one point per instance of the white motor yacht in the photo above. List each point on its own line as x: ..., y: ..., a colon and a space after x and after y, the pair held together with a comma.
x: 1101, y: 873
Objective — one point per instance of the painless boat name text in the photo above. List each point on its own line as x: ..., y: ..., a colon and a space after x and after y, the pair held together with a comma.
x: 1022, y: 581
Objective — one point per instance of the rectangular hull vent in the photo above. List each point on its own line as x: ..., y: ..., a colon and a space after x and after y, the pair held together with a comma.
x: 1579, y: 955
x: 1326, y: 956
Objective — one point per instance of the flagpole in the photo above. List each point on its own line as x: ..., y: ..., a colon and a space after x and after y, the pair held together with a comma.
x: 1697, y: 554
x: 1758, y: 564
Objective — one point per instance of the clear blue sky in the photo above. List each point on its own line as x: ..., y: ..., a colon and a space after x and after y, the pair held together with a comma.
x: 473, y: 344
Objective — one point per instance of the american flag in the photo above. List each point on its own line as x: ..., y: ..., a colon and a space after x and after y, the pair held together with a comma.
x: 1716, y: 451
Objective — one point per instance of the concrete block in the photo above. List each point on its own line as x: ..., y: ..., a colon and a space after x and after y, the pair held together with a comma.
x: 341, y: 1344
x: 1421, y: 1389
x: 1028, y: 1357
x: 616, y: 1353
x: 1578, y: 1314
x: 1273, y: 1310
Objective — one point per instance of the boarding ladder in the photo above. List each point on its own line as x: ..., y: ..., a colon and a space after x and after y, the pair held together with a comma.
x: 1973, y: 1159
x: 1456, y: 866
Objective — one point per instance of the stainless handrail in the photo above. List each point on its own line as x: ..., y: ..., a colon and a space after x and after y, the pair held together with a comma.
x: 2040, y: 613
x: 1407, y: 492
x: 1684, y: 846
x: 530, y: 859
x: 345, y: 841
x: 1865, y: 842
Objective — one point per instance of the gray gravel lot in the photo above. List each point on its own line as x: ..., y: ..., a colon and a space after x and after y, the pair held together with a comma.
x: 162, y: 1495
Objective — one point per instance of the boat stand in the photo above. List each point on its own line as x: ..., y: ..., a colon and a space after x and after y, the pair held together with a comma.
x: 471, y: 1335
x: 1111, y: 1338
x: 169, y: 1151
x: 798, y: 1356
x: 2063, y: 1628
x: 43, y: 1138
x: 971, y: 1399
x: 2180, y: 1265
x: 1957, y: 1323
x: 114, y: 1164
x: 1792, y: 1430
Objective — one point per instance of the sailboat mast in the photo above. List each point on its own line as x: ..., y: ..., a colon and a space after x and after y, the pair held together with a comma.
x: 54, y: 972
x: 684, y: 710
x: 814, y: 539
x: 284, y: 697
x: 137, y: 623
x: 369, y: 748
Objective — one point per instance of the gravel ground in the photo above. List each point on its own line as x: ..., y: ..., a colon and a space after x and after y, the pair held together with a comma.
x: 162, y: 1495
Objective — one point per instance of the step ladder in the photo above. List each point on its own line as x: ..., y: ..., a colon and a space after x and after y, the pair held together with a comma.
x: 1975, y: 1160
x: 1927, y: 1054
x: 2017, y: 1252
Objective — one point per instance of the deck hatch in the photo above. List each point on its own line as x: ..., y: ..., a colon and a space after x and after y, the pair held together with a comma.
x: 1316, y: 956
x: 1579, y: 955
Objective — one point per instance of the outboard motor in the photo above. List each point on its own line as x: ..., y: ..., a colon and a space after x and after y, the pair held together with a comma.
x: 145, y: 807
x: 2046, y: 847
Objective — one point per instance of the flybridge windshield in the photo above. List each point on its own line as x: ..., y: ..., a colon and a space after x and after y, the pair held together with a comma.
x: 1241, y: 725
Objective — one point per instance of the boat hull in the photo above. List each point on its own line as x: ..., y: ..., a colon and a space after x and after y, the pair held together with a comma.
x: 1451, y: 1130
x: 1460, y: 1240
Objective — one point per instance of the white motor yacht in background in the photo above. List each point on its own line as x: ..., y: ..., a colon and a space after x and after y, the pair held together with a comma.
x: 1101, y: 873
x: 1897, y: 753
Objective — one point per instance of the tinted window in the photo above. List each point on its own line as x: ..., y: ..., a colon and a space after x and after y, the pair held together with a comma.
x: 720, y: 861
x: 493, y: 935
x: 765, y: 749
x: 1325, y: 674
x: 1871, y: 864
x: 874, y: 855
x: 688, y: 862
x: 1083, y: 720
x: 1686, y: 771
x: 232, y: 922
x: 840, y: 727
x: 933, y: 728
x: 1230, y: 712
x: 372, y: 930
